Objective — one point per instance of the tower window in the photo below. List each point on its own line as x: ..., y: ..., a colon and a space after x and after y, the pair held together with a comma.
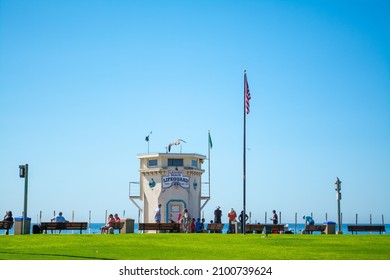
x: 175, y: 162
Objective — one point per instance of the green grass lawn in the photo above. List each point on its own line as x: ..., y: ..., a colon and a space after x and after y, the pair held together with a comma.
x: 195, y: 247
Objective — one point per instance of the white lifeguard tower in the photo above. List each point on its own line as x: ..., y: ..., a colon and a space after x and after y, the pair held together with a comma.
x: 173, y: 180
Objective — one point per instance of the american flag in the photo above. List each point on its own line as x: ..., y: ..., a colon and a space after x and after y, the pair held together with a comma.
x: 247, y: 94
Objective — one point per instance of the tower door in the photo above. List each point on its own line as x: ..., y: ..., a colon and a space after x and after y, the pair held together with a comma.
x: 175, y: 208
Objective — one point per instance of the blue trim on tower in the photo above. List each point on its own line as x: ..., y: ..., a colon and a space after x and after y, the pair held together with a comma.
x: 167, y: 209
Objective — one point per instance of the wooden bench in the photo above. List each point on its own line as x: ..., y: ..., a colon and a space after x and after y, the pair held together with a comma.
x: 170, y: 227
x: 367, y: 228
x: 214, y: 228
x: 256, y: 228
x: 117, y: 225
x: 45, y: 226
x: 271, y: 228
x: 309, y: 229
x: 6, y: 225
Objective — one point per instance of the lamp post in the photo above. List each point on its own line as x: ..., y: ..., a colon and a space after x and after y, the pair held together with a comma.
x: 23, y: 173
x: 338, y: 197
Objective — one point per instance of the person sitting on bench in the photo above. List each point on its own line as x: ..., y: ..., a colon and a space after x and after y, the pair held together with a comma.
x: 59, y: 219
x: 108, y: 228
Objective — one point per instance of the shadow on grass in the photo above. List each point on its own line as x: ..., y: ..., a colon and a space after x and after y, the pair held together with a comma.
x: 60, y: 256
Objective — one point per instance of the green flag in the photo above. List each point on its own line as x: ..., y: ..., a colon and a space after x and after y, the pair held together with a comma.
x: 210, y: 142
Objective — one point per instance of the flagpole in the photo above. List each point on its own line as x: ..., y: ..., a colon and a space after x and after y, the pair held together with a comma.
x: 244, y: 161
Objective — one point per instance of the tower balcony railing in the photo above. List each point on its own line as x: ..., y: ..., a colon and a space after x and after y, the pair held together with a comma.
x: 135, y: 190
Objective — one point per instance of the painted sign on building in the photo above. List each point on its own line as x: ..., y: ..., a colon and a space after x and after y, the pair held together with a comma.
x: 175, y: 178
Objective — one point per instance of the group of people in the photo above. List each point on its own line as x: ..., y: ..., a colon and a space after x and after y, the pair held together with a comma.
x: 232, y: 215
x: 189, y: 225
x: 197, y: 225
x: 186, y: 223
x: 109, y: 226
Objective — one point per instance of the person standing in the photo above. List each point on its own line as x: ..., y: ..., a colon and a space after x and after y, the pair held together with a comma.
x: 274, y: 218
x: 198, y: 225
x: 192, y: 226
x: 202, y: 225
x: 8, y: 217
x: 242, y: 219
x: 157, y: 214
x: 180, y: 220
x: 309, y: 220
x: 217, y: 215
x: 232, y: 215
x: 186, y: 221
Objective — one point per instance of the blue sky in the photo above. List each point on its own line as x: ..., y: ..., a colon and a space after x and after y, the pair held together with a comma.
x: 83, y: 82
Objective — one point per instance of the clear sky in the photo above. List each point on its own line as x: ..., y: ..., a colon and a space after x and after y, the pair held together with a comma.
x: 83, y: 82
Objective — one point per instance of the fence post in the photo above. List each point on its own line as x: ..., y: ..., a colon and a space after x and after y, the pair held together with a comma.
x: 89, y: 222
x: 72, y: 220
x: 295, y: 226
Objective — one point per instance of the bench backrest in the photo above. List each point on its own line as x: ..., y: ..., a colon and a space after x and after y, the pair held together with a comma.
x: 118, y: 225
x: 315, y: 227
x: 63, y: 226
x: 274, y: 227
x: 6, y: 224
x: 366, y: 228
x: 159, y: 226
x: 215, y: 226
x: 254, y: 227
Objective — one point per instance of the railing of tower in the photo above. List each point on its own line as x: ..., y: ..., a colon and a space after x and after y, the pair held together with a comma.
x: 205, y: 194
x: 134, y: 190
x: 135, y: 195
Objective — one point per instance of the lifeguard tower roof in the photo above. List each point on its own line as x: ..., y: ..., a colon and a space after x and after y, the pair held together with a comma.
x: 162, y: 160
